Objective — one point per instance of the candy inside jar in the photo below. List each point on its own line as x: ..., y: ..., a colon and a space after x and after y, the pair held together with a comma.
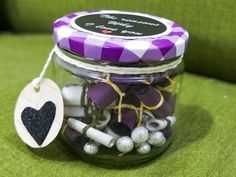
x: 108, y: 117
x: 119, y: 90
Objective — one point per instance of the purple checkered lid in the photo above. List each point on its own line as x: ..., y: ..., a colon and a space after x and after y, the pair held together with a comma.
x: 120, y: 37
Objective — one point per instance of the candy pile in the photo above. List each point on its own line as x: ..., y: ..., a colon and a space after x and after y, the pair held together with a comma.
x: 118, y: 115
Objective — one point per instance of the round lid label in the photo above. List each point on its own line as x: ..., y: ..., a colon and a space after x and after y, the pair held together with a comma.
x: 126, y: 25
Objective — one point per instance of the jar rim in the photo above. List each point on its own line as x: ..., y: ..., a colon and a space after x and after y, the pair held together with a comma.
x: 79, y: 62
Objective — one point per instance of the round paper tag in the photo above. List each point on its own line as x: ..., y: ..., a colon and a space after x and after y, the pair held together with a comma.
x: 39, y: 114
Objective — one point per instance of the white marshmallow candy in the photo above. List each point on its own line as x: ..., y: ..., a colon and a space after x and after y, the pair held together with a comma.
x: 144, y: 148
x: 91, y: 148
x: 139, y: 135
x: 172, y: 120
x: 72, y: 95
x: 156, y: 139
x: 125, y: 144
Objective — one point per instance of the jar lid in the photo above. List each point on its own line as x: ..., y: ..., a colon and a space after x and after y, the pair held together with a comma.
x: 120, y: 37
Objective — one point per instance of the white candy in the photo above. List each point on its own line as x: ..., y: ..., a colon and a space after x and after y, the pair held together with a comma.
x: 93, y: 133
x: 139, y: 135
x: 144, y: 148
x: 109, y: 131
x: 172, y: 120
x: 146, y: 117
x: 72, y: 95
x: 91, y: 148
x: 156, y: 124
x: 125, y: 144
x: 103, y: 123
x: 75, y: 111
x: 156, y: 139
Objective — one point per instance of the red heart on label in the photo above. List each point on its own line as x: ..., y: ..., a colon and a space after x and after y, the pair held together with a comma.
x: 106, y: 31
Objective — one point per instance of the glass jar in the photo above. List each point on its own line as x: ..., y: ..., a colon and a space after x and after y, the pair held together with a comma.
x: 120, y: 75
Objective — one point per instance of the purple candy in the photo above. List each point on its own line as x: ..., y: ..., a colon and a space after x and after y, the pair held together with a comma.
x: 167, y: 108
x: 74, y: 137
x: 159, y: 77
x: 127, y: 124
x: 163, y: 82
x: 150, y: 97
x: 131, y: 99
x: 102, y: 94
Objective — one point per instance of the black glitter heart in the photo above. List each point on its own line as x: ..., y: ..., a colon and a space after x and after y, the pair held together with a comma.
x: 39, y: 122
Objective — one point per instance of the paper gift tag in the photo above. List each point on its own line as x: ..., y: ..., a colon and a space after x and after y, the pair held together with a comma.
x: 39, y: 114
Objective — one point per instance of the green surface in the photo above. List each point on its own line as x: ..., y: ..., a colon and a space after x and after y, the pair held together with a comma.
x: 211, y: 24
x: 204, y: 143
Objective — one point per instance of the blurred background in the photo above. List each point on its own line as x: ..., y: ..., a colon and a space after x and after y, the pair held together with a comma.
x: 205, y: 141
x: 211, y: 24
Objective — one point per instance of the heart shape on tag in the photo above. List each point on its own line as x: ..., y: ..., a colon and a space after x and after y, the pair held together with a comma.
x: 38, y: 122
x: 38, y: 115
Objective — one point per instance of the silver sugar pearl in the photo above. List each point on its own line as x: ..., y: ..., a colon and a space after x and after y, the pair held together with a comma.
x: 156, y: 139
x: 139, y: 135
x: 144, y: 148
x: 91, y: 148
x: 125, y: 144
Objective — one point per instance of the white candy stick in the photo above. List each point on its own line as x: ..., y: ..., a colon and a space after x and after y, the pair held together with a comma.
x: 103, y: 123
x: 75, y: 111
x: 110, y: 132
x: 92, y: 133
x: 72, y: 95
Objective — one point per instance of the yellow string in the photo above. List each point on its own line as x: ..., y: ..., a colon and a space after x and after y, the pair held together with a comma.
x: 63, y: 130
x: 119, y: 109
x: 156, y: 106
x: 129, y: 106
x: 169, y: 79
x: 136, y: 109
x: 119, y: 92
x: 148, y: 113
x: 139, y: 111
x: 167, y: 88
x: 140, y: 114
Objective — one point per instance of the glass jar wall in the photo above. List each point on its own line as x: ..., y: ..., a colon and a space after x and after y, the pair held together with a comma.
x: 118, y: 118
